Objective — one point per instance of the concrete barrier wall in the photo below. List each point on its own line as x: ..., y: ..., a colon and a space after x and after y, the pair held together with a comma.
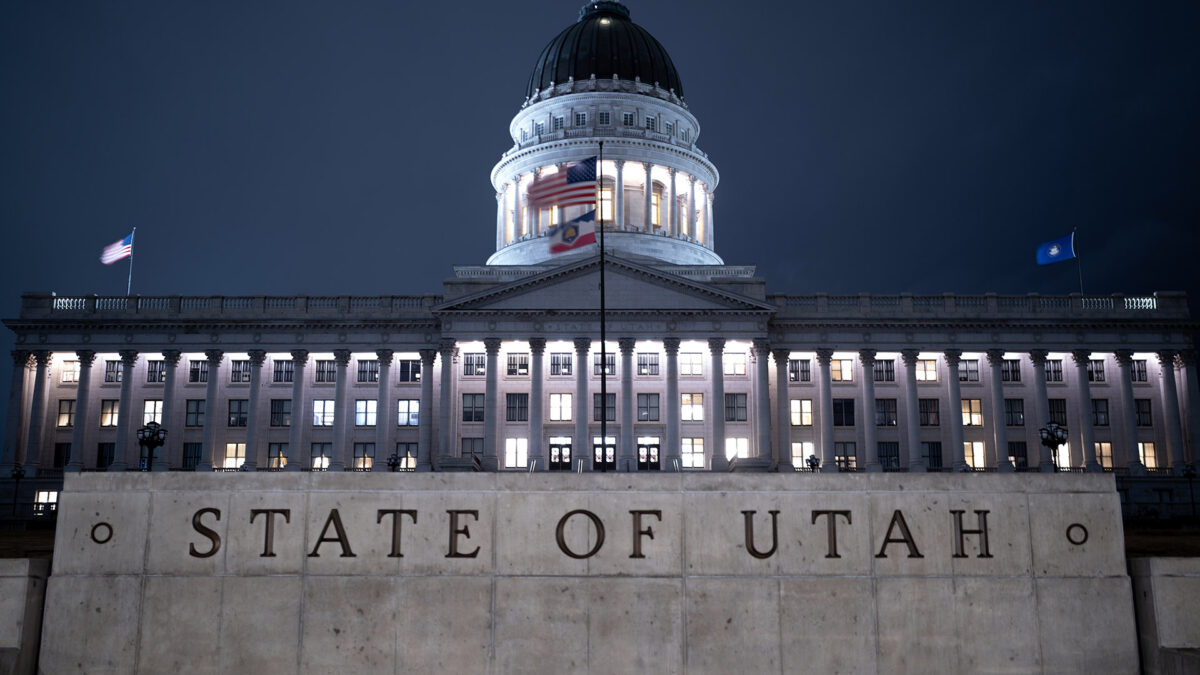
x: 699, y: 573
x: 22, y: 590
x: 1166, y: 592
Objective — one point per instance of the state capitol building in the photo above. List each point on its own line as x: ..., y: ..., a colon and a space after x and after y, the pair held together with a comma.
x: 706, y: 367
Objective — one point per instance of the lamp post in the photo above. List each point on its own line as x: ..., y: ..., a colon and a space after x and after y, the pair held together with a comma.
x: 1053, y: 436
x: 18, y: 472
x: 150, y: 437
x: 393, y: 462
x: 814, y: 464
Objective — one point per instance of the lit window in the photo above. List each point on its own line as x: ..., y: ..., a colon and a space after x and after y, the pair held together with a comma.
x: 737, y: 447
x: 801, y: 451
x: 606, y: 204
x: 195, y: 413
x: 735, y: 407
x: 580, y: 119
x: 604, y: 118
x: 108, y: 413
x: 322, y: 412
x: 320, y: 455
x: 44, y: 502
x: 326, y: 371
x: 1014, y: 412
x: 474, y: 364
x: 1147, y: 455
x: 691, y: 363
x: 843, y: 412
x: 692, y: 453
x: 799, y: 370
x: 364, y: 456
x: 609, y: 407
x: 407, y: 453
x: 846, y: 455
x: 66, y: 413
x: 281, y: 412
x: 610, y: 361
x: 368, y: 370
x: 112, y: 371
x: 284, y: 371
x: 197, y: 371
x: 928, y: 412
x: 152, y: 411
x: 885, y: 412
x: 1095, y: 370
x: 239, y: 371
x: 972, y: 412
x: 627, y: 119
x: 70, y: 371
x: 1010, y: 370
x: 156, y: 371
x: 408, y: 370
x: 516, y: 452
x: 1058, y: 411
x: 926, y: 370
x: 692, y: 407
x: 1062, y: 456
x: 560, y: 363
x: 518, y: 364
x: 735, y: 364
x: 968, y: 370
x: 517, y: 407
x: 277, y: 455
x: 841, y: 370
x: 365, y: 410
x: 801, y: 412
x: 656, y: 207
x: 235, y: 455
x: 1104, y: 454
x: 1100, y: 412
x: 238, y: 414
x: 560, y: 407
x: 884, y: 370
x: 1054, y: 371
x: 1142, y: 408
x: 472, y: 408
x: 647, y: 407
x: 408, y: 412
x: 1137, y: 370
x: 973, y: 451
x: 647, y: 364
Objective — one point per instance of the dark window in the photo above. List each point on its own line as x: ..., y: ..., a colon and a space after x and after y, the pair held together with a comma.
x: 735, y: 407
x: 156, y: 371
x: 1054, y: 370
x: 326, y: 371
x: 799, y: 370
x: 604, y: 457
x: 112, y: 371
x: 928, y: 412
x: 238, y: 412
x: 889, y: 454
x: 1142, y: 406
x: 931, y: 452
x: 647, y: 364
x: 277, y: 455
x: 604, y: 118
x: 1100, y: 412
x: 408, y: 370
x: 197, y: 371
x: 843, y: 412
x: 610, y: 407
x: 1058, y: 411
x: 968, y: 370
x: 191, y: 455
x: 472, y: 447
x: 560, y: 364
x: 474, y: 365
x: 885, y: 370
x: 1095, y: 370
x: 368, y: 370
x: 195, y: 413
x: 610, y: 362
x: 1014, y: 412
x: 284, y: 371
x: 239, y: 371
x: 62, y: 454
x: 1018, y: 452
x: 518, y: 364
x: 647, y: 407
x: 518, y: 407
x: 1010, y: 370
x: 472, y: 408
x: 885, y: 412
x: 281, y: 412
x: 1137, y: 370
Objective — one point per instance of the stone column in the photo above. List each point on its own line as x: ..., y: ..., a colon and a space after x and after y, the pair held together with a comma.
x: 385, y: 415
x: 1038, y: 358
x: 825, y: 411
x: 647, y: 191
x: 672, y: 205
x: 716, y: 347
x: 162, y: 460
x: 1186, y: 363
x: 83, y: 392
x: 1170, y: 399
x: 298, y: 456
x: 257, y: 357
x: 500, y: 229
x: 124, y: 411
x: 535, y: 210
x: 1124, y: 358
x: 762, y: 405
x: 710, y: 233
x: 866, y: 357
x: 16, y: 411
x: 1087, y: 434
x: 537, y: 450
x: 37, y: 413
x: 670, y: 453
x: 619, y: 196
x: 515, y: 187
x: 446, y: 351
x: 425, y: 451
x: 783, y: 434
x: 691, y: 209
x: 339, y: 460
x: 628, y: 460
x: 995, y: 358
x: 954, y: 414
x: 212, y: 416
x: 491, y: 405
x: 582, y: 409
x: 912, y: 419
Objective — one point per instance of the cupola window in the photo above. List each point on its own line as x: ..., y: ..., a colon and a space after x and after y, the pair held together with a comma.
x: 580, y: 119
x: 558, y: 123
x: 627, y: 119
x: 604, y: 118
x: 539, y: 128
x: 670, y: 130
x: 651, y: 124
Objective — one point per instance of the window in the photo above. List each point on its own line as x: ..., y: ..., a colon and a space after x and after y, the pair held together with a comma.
x: 1010, y: 370
x: 235, y: 455
x: 968, y: 370
x: 801, y: 412
x: 365, y: 412
x: 648, y: 448
x: 843, y: 412
x: 1058, y: 411
x: 1054, y: 370
x: 1142, y: 407
x: 66, y: 413
x: 687, y: 135
x: 691, y: 407
x: 556, y: 123
x: 156, y: 371
x: 799, y: 370
x: 1014, y: 412
x: 238, y: 408
x: 560, y: 363
x: 735, y: 364
x: 1018, y: 452
x: 191, y: 455
x: 801, y: 451
x: 518, y: 364
x: 539, y: 128
x: 926, y: 370
x: 610, y: 407
x: 670, y: 128
x: 885, y: 370
x: 239, y: 371
x: 627, y: 119
x: 322, y: 412
x: 973, y: 451
x: 364, y: 456
x: 1100, y: 412
x: 517, y: 407
x: 647, y: 364
x: 195, y: 413
x: 524, y: 135
x: 841, y: 370
x: 277, y: 454
x: 197, y: 371
x: 1137, y: 370
x: 845, y: 454
x: 560, y: 453
x: 70, y: 371
x: 927, y: 411
x: 885, y: 412
x: 472, y: 408
x: 320, y: 456
x: 408, y: 370
x: 1147, y: 455
x: 647, y: 407
x: 112, y: 371
x: 656, y: 207
x: 931, y: 452
x: 560, y: 407
x: 407, y: 453
x: 604, y: 118
x: 651, y: 123
x: 737, y: 447
x: 692, y: 453
x: 104, y: 454
x: 516, y: 453
x: 604, y: 455
x: 735, y: 407
x: 580, y: 119
x: 972, y: 412
x: 1095, y: 370
x: 889, y: 454
x: 109, y: 413
x: 326, y: 371
x: 284, y: 372
x: 1104, y: 454
x: 152, y: 411
x: 690, y: 363
x: 281, y: 412
x: 472, y: 447
x: 474, y: 364
x: 368, y: 370
x: 44, y: 502
x: 610, y: 363
x: 408, y: 412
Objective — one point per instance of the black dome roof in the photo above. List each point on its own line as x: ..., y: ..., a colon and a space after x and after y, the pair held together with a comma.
x: 604, y: 42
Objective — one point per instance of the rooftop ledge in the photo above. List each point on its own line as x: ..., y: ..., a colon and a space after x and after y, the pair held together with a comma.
x: 1162, y: 305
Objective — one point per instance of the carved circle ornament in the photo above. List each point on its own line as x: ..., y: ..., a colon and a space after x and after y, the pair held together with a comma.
x: 21, y: 338
x: 171, y: 337
x: 214, y: 337
x: 299, y: 337
x: 1077, y: 534
x: 671, y: 325
x: 342, y: 336
x: 257, y: 337
x: 102, y: 533
x: 128, y: 338
x: 491, y: 325
x: 85, y: 338
x: 385, y: 337
x: 43, y: 338
x: 716, y: 325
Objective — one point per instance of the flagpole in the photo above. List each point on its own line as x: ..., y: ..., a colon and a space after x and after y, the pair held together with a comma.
x: 1078, y: 266
x: 129, y: 281
x: 603, y: 352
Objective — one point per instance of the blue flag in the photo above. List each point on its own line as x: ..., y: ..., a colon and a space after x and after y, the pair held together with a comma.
x: 1057, y: 250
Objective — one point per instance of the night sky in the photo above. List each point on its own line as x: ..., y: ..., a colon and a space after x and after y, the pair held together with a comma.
x: 345, y: 147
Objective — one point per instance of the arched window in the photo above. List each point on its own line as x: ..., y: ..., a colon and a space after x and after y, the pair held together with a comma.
x: 656, y: 206
x: 607, y: 210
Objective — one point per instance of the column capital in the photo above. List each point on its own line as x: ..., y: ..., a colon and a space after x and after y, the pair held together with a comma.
x: 171, y: 357
x: 446, y: 348
x: 87, y: 357
x: 384, y: 356
x: 626, y: 344
x: 492, y: 345
x: 1124, y: 357
x: 995, y: 357
x: 128, y: 356
x: 1166, y: 358
x: 781, y: 355
x: 299, y: 356
x: 427, y: 357
x: 214, y: 357
x: 537, y: 345
x: 671, y: 345
x: 620, y: 163
x: 671, y: 170
x: 257, y: 357
x: 953, y: 357
x: 582, y: 345
x: 909, y: 356
x: 20, y: 358
x: 867, y: 358
x: 762, y: 346
x: 41, y: 357
x: 824, y: 356
x: 342, y: 357
x: 647, y: 166
x: 1081, y: 357
x: 1038, y: 357
x: 717, y: 344
x: 1186, y: 358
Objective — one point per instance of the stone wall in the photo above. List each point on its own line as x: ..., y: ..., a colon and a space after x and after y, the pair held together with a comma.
x: 699, y: 573
x: 22, y: 590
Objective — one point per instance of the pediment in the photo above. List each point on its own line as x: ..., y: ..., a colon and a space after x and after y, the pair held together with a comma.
x: 629, y: 287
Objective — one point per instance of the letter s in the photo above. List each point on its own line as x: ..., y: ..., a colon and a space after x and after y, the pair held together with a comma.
x: 207, y: 532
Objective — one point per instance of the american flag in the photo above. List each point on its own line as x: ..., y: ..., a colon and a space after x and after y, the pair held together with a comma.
x: 574, y: 186
x: 117, y: 250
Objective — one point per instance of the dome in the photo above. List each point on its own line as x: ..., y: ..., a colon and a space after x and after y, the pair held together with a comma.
x: 604, y: 43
